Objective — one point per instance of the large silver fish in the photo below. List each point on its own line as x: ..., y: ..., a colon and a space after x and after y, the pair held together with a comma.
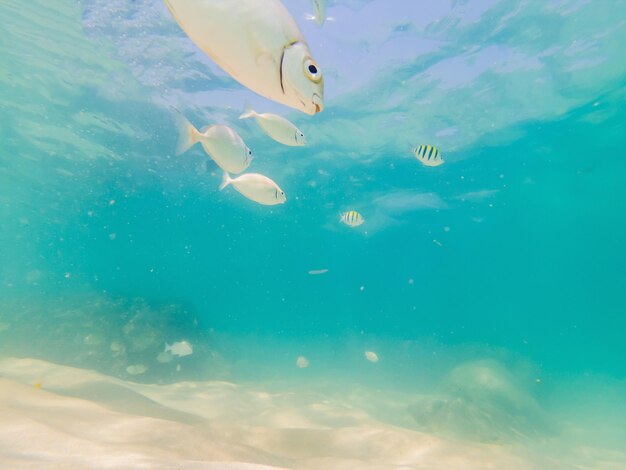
x: 259, y: 44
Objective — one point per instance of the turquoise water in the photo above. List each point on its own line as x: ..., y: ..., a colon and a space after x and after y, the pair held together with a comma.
x: 512, y: 252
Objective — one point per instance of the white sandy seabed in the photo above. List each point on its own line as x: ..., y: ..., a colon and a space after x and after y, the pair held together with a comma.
x: 53, y: 416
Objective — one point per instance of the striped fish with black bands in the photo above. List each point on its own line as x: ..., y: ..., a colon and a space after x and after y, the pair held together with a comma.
x: 351, y: 218
x: 428, y: 155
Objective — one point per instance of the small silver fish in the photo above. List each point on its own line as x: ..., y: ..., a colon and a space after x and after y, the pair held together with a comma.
x: 277, y: 127
x: 256, y: 187
x: 221, y: 143
x: 180, y: 348
x: 428, y: 155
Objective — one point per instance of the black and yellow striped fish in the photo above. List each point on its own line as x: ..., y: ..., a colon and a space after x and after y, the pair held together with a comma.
x: 428, y: 155
x: 351, y: 218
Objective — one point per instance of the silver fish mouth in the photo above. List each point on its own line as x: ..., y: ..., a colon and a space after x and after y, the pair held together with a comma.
x: 318, y: 102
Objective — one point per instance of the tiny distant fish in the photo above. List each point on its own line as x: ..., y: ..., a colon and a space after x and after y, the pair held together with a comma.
x: 317, y: 272
x: 137, y: 369
x: 180, y: 348
x: 302, y: 362
x: 437, y: 242
x: 371, y: 356
x: 164, y: 357
x: 351, y: 218
x: 320, y: 11
x: 428, y: 155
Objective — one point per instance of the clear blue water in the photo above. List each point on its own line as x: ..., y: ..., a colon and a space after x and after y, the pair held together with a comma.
x: 513, y: 250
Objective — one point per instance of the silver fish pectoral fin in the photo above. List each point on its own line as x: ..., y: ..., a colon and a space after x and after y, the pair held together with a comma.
x: 260, y: 52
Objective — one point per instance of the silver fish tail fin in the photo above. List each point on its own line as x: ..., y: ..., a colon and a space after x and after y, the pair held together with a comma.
x: 187, y: 135
x: 248, y: 113
x: 226, y: 180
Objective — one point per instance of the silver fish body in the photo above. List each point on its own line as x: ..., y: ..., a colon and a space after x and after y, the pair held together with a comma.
x: 257, y: 188
x: 258, y: 43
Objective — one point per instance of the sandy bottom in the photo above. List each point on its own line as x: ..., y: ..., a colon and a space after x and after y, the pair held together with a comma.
x: 53, y: 416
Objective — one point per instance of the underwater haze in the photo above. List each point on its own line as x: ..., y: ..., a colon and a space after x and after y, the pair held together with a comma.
x: 476, y: 319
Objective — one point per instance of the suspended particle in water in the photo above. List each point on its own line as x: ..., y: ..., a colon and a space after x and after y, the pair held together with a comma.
x: 68, y: 275
x: 117, y: 348
x: 112, y: 236
x: 317, y: 272
x: 302, y: 362
x: 111, y: 202
x: 446, y: 229
x: 362, y: 288
x: 411, y: 281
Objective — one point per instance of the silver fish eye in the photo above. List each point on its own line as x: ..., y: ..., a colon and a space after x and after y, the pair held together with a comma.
x: 312, y: 70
